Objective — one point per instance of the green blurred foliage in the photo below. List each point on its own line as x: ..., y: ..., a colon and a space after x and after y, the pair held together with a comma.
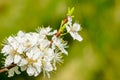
x: 97, y: 57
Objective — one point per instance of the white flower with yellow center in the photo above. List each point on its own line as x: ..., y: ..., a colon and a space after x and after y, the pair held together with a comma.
x: 60, y: 44
x: 73, y: 30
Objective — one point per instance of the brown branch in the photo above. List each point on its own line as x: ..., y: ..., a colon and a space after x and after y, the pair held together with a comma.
x: 7, y: 68
x: 65, y: 20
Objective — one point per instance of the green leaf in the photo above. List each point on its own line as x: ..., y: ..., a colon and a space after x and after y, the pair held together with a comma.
x: 70, y: 11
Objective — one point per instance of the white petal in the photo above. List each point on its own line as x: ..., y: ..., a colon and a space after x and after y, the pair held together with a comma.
x: 30, y: 70
x: 38, y: 66
x: 17, y: 58
x: 29, y: 54
x: 73, y: 35
x: 76, y: 27
x: 9, y: 60
x: 36, y: 73
x: 10, y: 39
x: 52, y: 33
x: 23, y: 62
x: 68, y: 28
x: 48, y: 29
x: 50, y: 51
x: 6, y: 49
x: 36, y: 55
x: 20, y: 49
x: 20, y: 33
x: 48, y: 67
x: 45, y: 43
x: 78, y: 37
x: 23, y: 68
x: 16, y: 70
x: 15, y: 45
x: 10, y: 72
x: 34, y: 38
x: 64, y: 51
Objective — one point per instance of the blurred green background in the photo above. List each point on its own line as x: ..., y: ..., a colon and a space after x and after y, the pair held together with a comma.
x: 97, y: 57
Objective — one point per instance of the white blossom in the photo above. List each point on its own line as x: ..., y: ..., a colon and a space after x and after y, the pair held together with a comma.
x: 7, y: 49
x: 17, y: 59
x: 46, y: 31
x: 9, y: 60
x: 31, y: 70
x: 12, y: 71
x: 23, y: 63
x: 60, y: 44
x: 73, y: 30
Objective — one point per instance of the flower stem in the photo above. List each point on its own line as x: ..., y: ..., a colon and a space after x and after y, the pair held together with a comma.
x: 7, y: 68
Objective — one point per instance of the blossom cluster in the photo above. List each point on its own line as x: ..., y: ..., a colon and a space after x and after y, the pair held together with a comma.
x: 40, y: 51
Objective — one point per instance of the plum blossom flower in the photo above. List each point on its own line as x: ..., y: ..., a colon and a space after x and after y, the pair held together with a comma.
x: 46, y: 31
x: 73, y: 30
x: 12, y: 71
x: 60, y: 44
